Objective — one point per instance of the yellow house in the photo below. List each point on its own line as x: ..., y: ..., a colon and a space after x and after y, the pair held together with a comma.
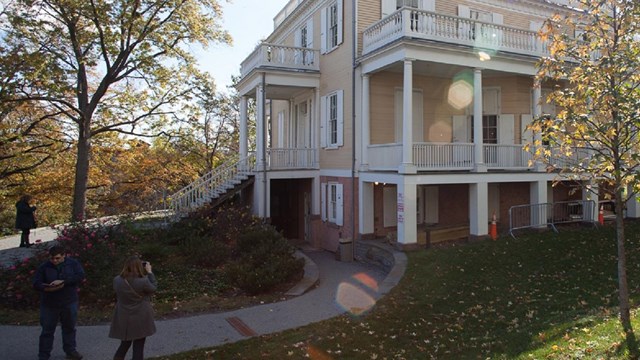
x: 398, y: 118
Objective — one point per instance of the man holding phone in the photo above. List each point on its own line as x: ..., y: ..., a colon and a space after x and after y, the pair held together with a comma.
x: 58, y: 280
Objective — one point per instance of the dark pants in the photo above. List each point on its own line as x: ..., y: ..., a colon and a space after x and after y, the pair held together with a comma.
x: 49, y: 318
x: 24, y: 238
x: 138, y: 349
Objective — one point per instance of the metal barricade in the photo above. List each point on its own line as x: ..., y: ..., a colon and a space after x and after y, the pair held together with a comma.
x: 544, y: 215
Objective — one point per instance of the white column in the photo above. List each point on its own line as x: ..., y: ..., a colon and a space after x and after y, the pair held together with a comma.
x: 537, y: 112
x: 590, y: 191
x: 479, y: 209
x: 538, y: 198
x: 260, y: 128
x: 243, y: 128
x: 633, y: 206
x: 366, y: 135
x: 260, y: 188
x: 365, y: 206
x: 407, y: 209
x: 477, y: 121
x: 318, y: 122
x: 407, y: 166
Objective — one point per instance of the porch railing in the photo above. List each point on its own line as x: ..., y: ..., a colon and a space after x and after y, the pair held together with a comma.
x: 449, y: 156
x: 291, y: 158
x: 506, y: 156
x: 280, y: 56
x: 420, y: 24
x: 443, y: 156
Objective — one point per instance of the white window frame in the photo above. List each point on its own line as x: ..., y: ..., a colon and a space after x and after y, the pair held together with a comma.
x: 332, y: 115
x: 304, y: 39
x: 331, y: 21
x: 333, y: 205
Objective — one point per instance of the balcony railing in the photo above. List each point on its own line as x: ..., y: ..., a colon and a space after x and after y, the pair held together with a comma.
x: 420, y: 24
x: 443, y: 156
x: 449, y: 156
x: 291, y: 158
x: 280, y: 56
x: 501, y: 156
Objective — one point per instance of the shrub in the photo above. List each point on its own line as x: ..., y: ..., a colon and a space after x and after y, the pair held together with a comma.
x: 264, y: 260
x: 204, y: 251
x: 96, y: 246
x: 16, y: 283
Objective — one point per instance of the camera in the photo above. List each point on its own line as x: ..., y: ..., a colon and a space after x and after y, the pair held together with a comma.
x: 144, y: 264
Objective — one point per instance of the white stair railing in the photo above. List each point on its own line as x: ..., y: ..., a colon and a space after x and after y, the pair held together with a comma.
x: 211, y: 185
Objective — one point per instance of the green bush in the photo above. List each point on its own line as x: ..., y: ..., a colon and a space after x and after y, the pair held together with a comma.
x: 202, y: 250
x: 264, y: 259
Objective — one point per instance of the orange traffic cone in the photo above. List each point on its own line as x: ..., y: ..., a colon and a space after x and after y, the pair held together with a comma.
x: 493, y: 229
x: 601, y: 216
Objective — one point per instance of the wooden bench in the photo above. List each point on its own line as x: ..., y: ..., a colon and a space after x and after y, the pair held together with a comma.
x: 435, y: 235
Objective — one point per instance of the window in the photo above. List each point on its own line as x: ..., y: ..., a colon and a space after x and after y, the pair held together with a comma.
x: 332, y: 120
x: 304, y: 39
x: 332, y: 205
x: 489, y: 129
x: 480, y: 15
x: 331, y: 35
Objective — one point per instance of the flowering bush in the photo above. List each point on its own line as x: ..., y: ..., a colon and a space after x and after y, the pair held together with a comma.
x: 96, y: 245
x: 16, y: 283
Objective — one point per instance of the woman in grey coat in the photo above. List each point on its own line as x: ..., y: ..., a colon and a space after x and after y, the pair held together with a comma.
x: 133, y: 316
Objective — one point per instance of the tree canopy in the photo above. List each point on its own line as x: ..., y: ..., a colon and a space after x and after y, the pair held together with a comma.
x: 594, y: 69
x: 102, y: 66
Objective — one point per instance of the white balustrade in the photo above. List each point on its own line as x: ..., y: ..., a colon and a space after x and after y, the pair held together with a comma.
x: 280, y: 56
x: 291, y: 158
x: 420, y: 24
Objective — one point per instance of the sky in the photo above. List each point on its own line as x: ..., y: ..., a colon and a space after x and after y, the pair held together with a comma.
x: 248, y: 22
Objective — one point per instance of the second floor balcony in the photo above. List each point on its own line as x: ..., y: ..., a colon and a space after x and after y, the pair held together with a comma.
x: 271, y: 56
x: 420, y: 24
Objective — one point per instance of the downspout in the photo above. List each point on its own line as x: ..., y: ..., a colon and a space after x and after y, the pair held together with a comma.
x: 354, y: 36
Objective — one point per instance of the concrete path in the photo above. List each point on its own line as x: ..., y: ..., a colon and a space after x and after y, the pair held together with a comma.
x: 341, y: 287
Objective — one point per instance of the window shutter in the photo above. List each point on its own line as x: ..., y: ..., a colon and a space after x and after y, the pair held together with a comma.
x: 461, y: 132
x: 339, y: 4
x: 506, y: 129
x: 463, y: 11
x: 429, y: 5
x: 297, y: 41
x: 527, y: 135
x: 339, y: 205
x: 387, y: 7
x: 323, y: 201
x: 324, y: 115
x: 340, y: 135
x: 323, y: 31
x: 497, y: 18
x: 310, y: 34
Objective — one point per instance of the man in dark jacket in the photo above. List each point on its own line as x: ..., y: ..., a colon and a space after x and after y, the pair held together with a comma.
x: 25, y: 219
x: 58, y: 280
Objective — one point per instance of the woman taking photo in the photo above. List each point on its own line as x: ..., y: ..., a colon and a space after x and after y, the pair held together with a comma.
x: 133, y: 316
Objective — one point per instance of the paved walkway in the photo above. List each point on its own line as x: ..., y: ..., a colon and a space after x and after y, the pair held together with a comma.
x: 340, y: 287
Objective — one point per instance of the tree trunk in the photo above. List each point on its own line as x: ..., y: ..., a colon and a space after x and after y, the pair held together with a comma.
x: 623, y: 289
x: 82, y: 176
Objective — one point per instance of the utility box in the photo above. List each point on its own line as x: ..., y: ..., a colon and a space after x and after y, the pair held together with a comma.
x: 345, y: 250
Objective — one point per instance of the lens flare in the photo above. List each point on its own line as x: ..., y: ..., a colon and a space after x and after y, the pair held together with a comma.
x: 354, y: 300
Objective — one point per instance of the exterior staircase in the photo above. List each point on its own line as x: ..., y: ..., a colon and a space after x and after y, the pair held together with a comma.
x: 213, y: 187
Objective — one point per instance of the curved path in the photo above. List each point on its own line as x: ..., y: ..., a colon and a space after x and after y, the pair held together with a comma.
x: 339, y: 287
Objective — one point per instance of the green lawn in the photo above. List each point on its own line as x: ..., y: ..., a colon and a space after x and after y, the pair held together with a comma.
x: 542, y: 296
